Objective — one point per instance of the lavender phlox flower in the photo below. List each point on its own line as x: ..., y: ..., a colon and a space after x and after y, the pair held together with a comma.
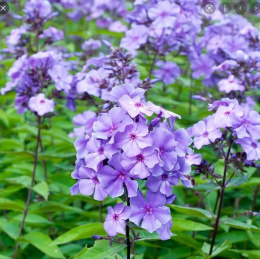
x: 120, y: 90
x: 14, y: 38
x: 165, y: 144
x: 140, y: 165
x: 61, y: 77
x: 81, y: 146
x: 224, y: 114
x: 108, y: 124
x: 21, y: 103
x: 52, y: 33
x: 165, y: 230
x: 90, y: 84
x: 225, y: 66
x: 247, y: 125
x: 134, y: 38
x: 43, y: 60
x: 164, y: 14
x: 89, y: 184
x: 113, y: 177
x: 91, y: 45
x: 150, y: 213
x: 202, y: 66
x: 183, y: 140
x: 98, y: 151
x: 40, y: 104
x: 86, y: 120
x: 251, y: 147
x: 162, y: 183
x: 41, y: 7
x: 115, y: 221
x: 205, y: 132
x: 134, y: 138
x: 117, y: 26
x: 161, y: 111
x: 230, y: 84
x: 167, y: 72
x: 192, y: 158
x: 223, y: 102
x: 134, y: 106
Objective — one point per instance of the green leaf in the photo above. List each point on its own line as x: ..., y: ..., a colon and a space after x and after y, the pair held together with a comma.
x: 10, y: 228
x: 233, y: 237
x: 100, y: 250
x: 33, y: 219
x: 187, y: 240
x: 255, y: 238
x: 49, y: 206
x: 240, y: 225
x: 6, y: 204
x: 42, y: 242
x: 23, y: 180
x: 252, y: 254
x: 42, y: 189
x: 10, y: 190
x: 10, y: 144
x: 192, y: 211
x: 4, y: 118
x: 188, y: 225
x: 216, y: 249
x: 207, y: 187
x: 81, y: 232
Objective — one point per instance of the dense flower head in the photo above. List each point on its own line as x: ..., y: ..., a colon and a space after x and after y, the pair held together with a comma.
x: 241, y: 120
x: 120, y: 146
x: 31, y: 75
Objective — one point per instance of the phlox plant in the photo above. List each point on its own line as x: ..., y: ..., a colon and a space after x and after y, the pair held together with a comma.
x: 122, y: 149
x: 132, y: 153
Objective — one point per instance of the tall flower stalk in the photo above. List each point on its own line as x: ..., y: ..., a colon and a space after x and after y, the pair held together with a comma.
x: 31, y: 185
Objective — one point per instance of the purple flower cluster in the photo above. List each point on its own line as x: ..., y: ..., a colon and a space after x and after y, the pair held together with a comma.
x: 121, y: 146
x: 31, y: 75
x: 232, y: 58
x: 240, y: 119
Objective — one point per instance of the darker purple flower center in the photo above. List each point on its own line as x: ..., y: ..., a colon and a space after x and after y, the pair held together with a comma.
x: 121, y: 175
x: 227, y: 113
x: 95, y: 180
x: 42, y: 101
x: 161, y: 150
x: 164, y: 14
x: 149, y: 210
x: 113, y: 129
x: 135, y: 38
x: 116, y: 217
x: 138, y: 104
x: 245, y: 122
x: 132, y: 136
x: 254, y: 145
x: 205, y: 134
x: 164, y: 177
x: 101, y: 151
x: 140, y: 158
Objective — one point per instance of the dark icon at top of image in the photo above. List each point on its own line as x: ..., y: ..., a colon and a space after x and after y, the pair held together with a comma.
x: 4, y: 8
x: 240, y: 8
x: 209, y: 8
x: 225, y: 8
x: 255, y: 8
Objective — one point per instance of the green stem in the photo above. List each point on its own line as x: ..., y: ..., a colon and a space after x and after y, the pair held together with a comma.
x: 31, y: 186
x: 223, y: 186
